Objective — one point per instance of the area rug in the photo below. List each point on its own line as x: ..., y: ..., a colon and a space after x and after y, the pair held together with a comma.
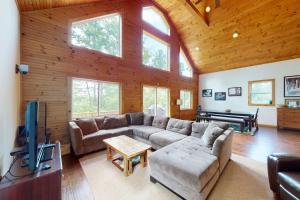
x: 242, y: 179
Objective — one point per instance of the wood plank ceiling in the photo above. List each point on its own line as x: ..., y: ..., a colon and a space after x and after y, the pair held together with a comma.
x: 268, y: 30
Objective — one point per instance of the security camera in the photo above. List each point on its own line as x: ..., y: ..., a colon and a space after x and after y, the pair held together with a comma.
x: 22, y: 68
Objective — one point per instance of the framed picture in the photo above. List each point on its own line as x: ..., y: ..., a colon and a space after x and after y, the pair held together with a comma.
x: 292, y: 86
x: 207, y: 93
x: 220, y: 96
x: 235, y: 91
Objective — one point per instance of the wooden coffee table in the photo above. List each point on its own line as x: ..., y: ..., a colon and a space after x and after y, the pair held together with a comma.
x: 128, y: 148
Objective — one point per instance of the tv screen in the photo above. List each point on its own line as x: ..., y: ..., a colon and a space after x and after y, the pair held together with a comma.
x: 35, y: 127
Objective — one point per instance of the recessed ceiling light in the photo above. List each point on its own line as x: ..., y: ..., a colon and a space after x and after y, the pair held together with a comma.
x: 197, y: 49
x: 235, y: 35
x: 207, y: 9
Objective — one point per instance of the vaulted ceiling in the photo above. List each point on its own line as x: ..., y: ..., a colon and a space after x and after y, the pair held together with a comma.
x: 269, y: 30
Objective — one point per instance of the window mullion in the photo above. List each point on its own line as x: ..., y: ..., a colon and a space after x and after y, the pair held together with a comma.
x: 99, y: 98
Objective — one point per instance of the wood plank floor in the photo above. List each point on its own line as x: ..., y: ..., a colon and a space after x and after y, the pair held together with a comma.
x: 258, y: 147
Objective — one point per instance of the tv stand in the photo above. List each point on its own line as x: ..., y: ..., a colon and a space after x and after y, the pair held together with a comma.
x: 43, y: 184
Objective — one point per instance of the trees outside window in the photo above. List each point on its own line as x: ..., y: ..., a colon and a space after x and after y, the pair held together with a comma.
x: 92, y: 98
x: 185, y: 68
x: 156, y: 101
x: 261, y: 93
x: 155, y: 52
x: 186, y: 98
x: 100, y: 33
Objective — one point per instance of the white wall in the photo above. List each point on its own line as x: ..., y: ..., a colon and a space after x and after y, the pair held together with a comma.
x: 9, y: 81
x: 221, y: 81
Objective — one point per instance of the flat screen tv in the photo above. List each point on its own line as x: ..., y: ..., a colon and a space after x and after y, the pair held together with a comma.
x: 35, y: 128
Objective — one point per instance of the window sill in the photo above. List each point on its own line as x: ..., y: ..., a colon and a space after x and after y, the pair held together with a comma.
x: 162, y: 70
x: 268, y: 105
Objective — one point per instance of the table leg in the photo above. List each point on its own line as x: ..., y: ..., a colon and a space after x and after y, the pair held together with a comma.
x: 109, y: 153
x: 130, y: 166
x: 126, y: 166
x: 144, y: 159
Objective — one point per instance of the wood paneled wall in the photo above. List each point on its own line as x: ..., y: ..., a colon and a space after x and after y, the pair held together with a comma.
x: 52, y: 60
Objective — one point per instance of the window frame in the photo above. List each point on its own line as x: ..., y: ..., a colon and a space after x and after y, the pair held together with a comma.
x: 162, y: 16
x: 250, y: 92
x: 90, y: 18
x: 98, y: 109
x: 181, y: 51
x: 156, y: 87
x: 161, y: 41
x: 191, y: 99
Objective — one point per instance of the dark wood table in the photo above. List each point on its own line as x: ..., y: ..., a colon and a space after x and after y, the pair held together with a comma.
x: 42, y: 185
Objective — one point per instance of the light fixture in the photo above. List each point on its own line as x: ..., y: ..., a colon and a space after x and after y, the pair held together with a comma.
x: 197, y: 48
x: 178, y: 102
x: 235, y: 35
x: 207, y: 9
x: 22, y: 68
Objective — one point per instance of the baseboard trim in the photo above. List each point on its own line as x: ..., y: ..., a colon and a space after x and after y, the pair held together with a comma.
x: 267, y: 126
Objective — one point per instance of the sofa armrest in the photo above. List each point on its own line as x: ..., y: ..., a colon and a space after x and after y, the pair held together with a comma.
x: 76, y: 138
x: 222, y: 148
x: 278, y: 162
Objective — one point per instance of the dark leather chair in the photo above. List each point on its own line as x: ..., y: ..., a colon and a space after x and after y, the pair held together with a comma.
x: 284, y: 175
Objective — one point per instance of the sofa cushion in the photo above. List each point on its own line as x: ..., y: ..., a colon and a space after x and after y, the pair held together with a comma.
x: 180, y: 126
x: 187, y: 161
x: 144, y: 131
x: 160, y: 122
x: 87, y: 125
x: 165, y: 138
x: 100, y: 122
x: 115, y: 122
x: 136, y: 118
x: 212, y: 132
x: 148, y: 119
x: 95, y: 138
x: 198, y: 129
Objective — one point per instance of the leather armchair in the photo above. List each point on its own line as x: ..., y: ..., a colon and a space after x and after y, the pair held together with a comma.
x: 284, y: 175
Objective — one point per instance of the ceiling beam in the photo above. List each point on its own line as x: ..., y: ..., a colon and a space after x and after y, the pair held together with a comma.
x: 192, y: 7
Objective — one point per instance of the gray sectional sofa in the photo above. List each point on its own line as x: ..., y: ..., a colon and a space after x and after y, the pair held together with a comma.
x: 189, y: 156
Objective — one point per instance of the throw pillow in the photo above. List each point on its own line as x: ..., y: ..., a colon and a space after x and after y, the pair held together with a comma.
x: 115, y: 122
x: 87, y: 126
x: 136, y: 118
x: 222, y: 125
x: 211, y: 134
x: 198, y: 129
x: 160, y: 122
x: 148, y: 119
x: 100, y: 122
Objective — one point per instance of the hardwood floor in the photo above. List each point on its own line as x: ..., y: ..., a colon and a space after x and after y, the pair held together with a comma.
x: 258, y: 147
x: 265, y: 142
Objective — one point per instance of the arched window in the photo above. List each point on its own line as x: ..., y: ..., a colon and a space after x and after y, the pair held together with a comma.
x: 101, y: 33
x: 156, y: 47
x: 185, y: 68
x: 154, y: 17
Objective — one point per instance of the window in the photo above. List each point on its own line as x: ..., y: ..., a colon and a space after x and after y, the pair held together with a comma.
x: 155, y: 52
x: 152, y: 16
x: 185, y: 68
x: 156, y: 101
x: 261, y: 93
x: 101, y: 34
x: 186, y: 100
x: 93, y: 98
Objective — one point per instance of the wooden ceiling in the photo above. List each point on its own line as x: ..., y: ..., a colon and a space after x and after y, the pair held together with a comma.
x: 269, y: 30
